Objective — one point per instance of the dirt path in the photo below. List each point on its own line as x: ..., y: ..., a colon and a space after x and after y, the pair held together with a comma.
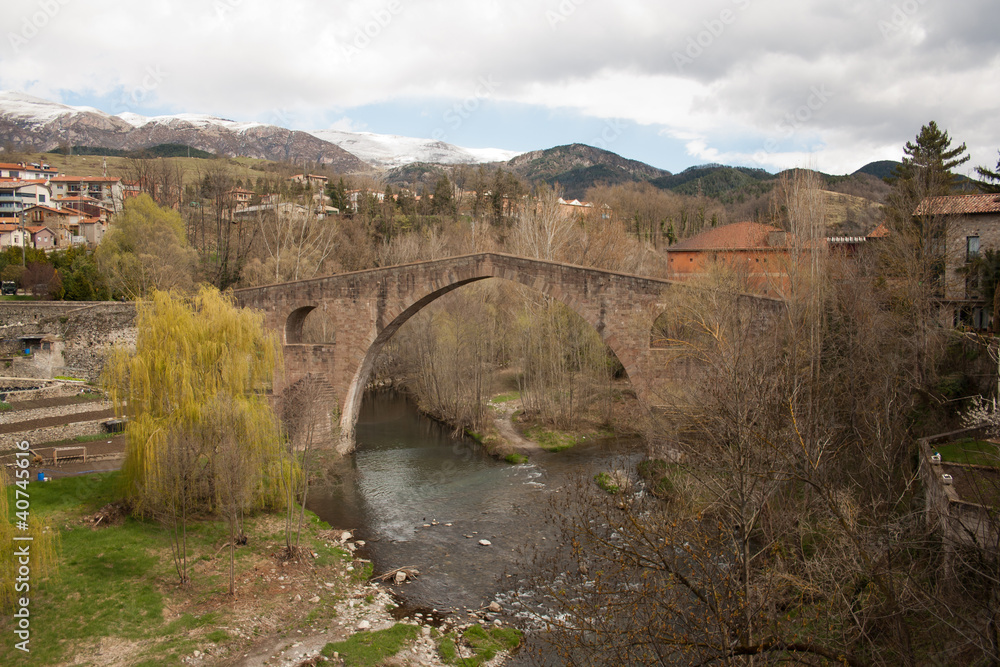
x: 34, y: 424
x: 504, y: 420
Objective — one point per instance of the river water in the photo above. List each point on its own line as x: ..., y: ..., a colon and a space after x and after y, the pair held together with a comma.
x: 420, y: 497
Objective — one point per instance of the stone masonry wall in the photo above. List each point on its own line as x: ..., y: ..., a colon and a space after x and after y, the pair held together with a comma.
x: 987, y: 228
x: 87, y: 329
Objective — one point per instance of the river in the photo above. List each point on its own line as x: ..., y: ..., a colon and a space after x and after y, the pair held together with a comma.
x: 420, y: 497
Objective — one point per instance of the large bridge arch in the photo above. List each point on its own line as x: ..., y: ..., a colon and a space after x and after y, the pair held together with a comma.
x: 368, y: 307
x: 355, y: 392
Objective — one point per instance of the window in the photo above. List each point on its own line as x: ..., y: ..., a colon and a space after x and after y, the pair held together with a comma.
x: 971, y: 248
x: 972, y: 286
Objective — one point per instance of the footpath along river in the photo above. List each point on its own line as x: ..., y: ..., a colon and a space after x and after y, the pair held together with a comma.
x: 420, y: 497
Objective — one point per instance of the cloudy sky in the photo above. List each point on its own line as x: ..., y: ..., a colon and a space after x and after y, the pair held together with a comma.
x: 826, y: 84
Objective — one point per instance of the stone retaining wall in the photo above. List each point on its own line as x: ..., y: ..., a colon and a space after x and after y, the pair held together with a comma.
x: 13, y: 416
x: 87, y: 329
x: 961, y: 522
x: 50, y: 434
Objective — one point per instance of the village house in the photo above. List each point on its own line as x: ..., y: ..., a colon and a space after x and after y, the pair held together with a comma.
x: 763, y: 256
x: 354, y: 197
x: 22, y: 171
x: 17, y: 195
x: 972, y: 224
x: 759, y: 252
x: 42, y: 238
x: 92, y: 230
x: 52, y: 217
x: 106, y: 190
x: 312, y: 180
x: 238, y: 197
x: 579, y: 210
x: 64, y: 223
x: 11, y: 235
x: 84, y: 205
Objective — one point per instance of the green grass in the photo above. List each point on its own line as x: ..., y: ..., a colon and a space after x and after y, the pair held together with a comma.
x: 4, y: 406
x: 369, y: 649
x: 66, y: 377
x: 972, y: 451
x: 515, y: 458
x: 217, y: 636
x: 551, y: 441
x: 93, y: 437
x: 506, y: 398
x: 18, y: 297
x: 605, y: 481
x: 117, y: 581
x: 187, y: 622
x: 485, y: 645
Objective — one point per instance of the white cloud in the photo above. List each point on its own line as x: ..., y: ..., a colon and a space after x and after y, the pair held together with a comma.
x: 346, y: 124
x: 701, y: 72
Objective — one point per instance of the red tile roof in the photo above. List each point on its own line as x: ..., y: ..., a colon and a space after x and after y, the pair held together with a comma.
x: 37, y: 228
x: 25, y: 167
x: 959, y: 205
x: 53, y: 210
x: 879, y: 232
x: 737, y: 236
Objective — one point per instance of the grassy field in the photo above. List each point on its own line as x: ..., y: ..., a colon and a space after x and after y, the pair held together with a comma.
x: 977, y: 452
x: 552, y: 440
x: 193, y: 169
x: 115, y: 597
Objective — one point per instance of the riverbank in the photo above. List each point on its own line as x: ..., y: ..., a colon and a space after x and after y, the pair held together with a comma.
x: 115, y: 598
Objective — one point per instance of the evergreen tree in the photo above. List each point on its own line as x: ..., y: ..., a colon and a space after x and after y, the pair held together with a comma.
x: 928, y: 163
x: 443, y: 200
x: 991, y: 175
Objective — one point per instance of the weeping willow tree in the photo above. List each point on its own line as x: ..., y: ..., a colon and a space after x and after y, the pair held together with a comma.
x: 43, y: 542
x: 201, y: 434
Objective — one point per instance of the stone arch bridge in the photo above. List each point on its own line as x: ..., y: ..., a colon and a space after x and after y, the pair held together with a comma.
x: 367, y: 307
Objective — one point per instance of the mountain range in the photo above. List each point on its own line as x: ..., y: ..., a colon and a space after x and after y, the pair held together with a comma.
x: 32, y: 123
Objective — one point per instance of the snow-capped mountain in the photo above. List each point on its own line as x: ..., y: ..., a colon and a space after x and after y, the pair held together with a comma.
x: 392, y: 150
x: 33, y: 122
